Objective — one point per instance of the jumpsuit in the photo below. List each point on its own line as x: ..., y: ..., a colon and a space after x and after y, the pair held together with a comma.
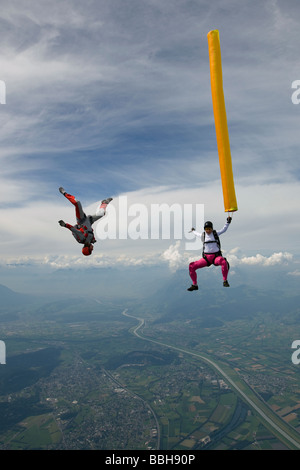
x: 83, y: 231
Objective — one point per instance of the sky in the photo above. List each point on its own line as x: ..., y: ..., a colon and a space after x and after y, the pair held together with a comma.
x: 112, y: 98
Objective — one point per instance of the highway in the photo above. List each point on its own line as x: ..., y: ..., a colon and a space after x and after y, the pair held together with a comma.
x: 259, y: 409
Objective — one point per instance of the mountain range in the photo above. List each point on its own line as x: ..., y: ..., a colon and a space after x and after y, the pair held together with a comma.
x: 164, y: 293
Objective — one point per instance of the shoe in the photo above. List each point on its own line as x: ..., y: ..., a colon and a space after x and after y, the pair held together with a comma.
x: 193, y: 287
x: 226, y: 284
x: 61, y: 190
x: 106, y: 201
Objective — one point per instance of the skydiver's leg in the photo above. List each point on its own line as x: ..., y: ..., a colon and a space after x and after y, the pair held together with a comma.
x: 220, y: 261
x: 78, y: 207
x: 101, y: 211
x: 201, y: 263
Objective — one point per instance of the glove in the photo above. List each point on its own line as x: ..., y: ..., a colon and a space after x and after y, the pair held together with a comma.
x: 192, y: 229
x: 229, y: 219
x: 61, y: 223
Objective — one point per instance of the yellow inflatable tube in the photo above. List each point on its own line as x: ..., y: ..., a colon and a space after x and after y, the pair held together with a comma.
x: 216, y: 80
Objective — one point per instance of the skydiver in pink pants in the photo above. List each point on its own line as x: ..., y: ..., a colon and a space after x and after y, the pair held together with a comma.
x: 83, y: 231
x: 211, y: 253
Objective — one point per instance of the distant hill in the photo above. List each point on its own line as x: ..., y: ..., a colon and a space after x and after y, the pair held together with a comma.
x: 106, y: 282
x: 216, y: 303
x: 157, y: 290
x: 10, y: 300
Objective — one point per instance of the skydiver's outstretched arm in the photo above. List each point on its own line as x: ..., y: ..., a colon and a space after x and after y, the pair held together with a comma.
x: 224, y: 229
x: 199, y: 235
x: 77, y: 233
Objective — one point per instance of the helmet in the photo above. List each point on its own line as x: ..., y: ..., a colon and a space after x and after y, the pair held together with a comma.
x: 208, y: 224
x: 87, y: 250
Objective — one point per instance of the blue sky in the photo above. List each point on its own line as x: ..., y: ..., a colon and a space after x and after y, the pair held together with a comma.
x: 110, y: 98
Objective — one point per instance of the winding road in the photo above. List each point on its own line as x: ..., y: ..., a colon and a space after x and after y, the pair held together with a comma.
x: 281, y: 428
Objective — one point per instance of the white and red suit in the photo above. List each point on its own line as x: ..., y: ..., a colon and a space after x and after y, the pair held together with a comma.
x: 83, y: 231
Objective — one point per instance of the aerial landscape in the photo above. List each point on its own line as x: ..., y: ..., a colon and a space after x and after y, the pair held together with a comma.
x: 150, y: 248
x: 91, y: 374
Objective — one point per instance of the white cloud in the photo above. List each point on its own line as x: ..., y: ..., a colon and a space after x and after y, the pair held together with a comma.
x: 173, y: 257
x: 31, y: 224
x: 177, y: 259
x: 295, y: 273
x: 135, y: 82
x: 261, y: 260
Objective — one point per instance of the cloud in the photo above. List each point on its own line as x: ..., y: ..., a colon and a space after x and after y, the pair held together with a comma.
x: 177, y: 259
x: 272, y: 260
x: 137, y: 78
x: 31, y: 221
x: 78, y: 262
x: 111, y: 100
x: 173, y: 257
x: 294, y: 273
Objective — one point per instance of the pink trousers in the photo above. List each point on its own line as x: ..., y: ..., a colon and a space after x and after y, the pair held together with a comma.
x: 201, y: 263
